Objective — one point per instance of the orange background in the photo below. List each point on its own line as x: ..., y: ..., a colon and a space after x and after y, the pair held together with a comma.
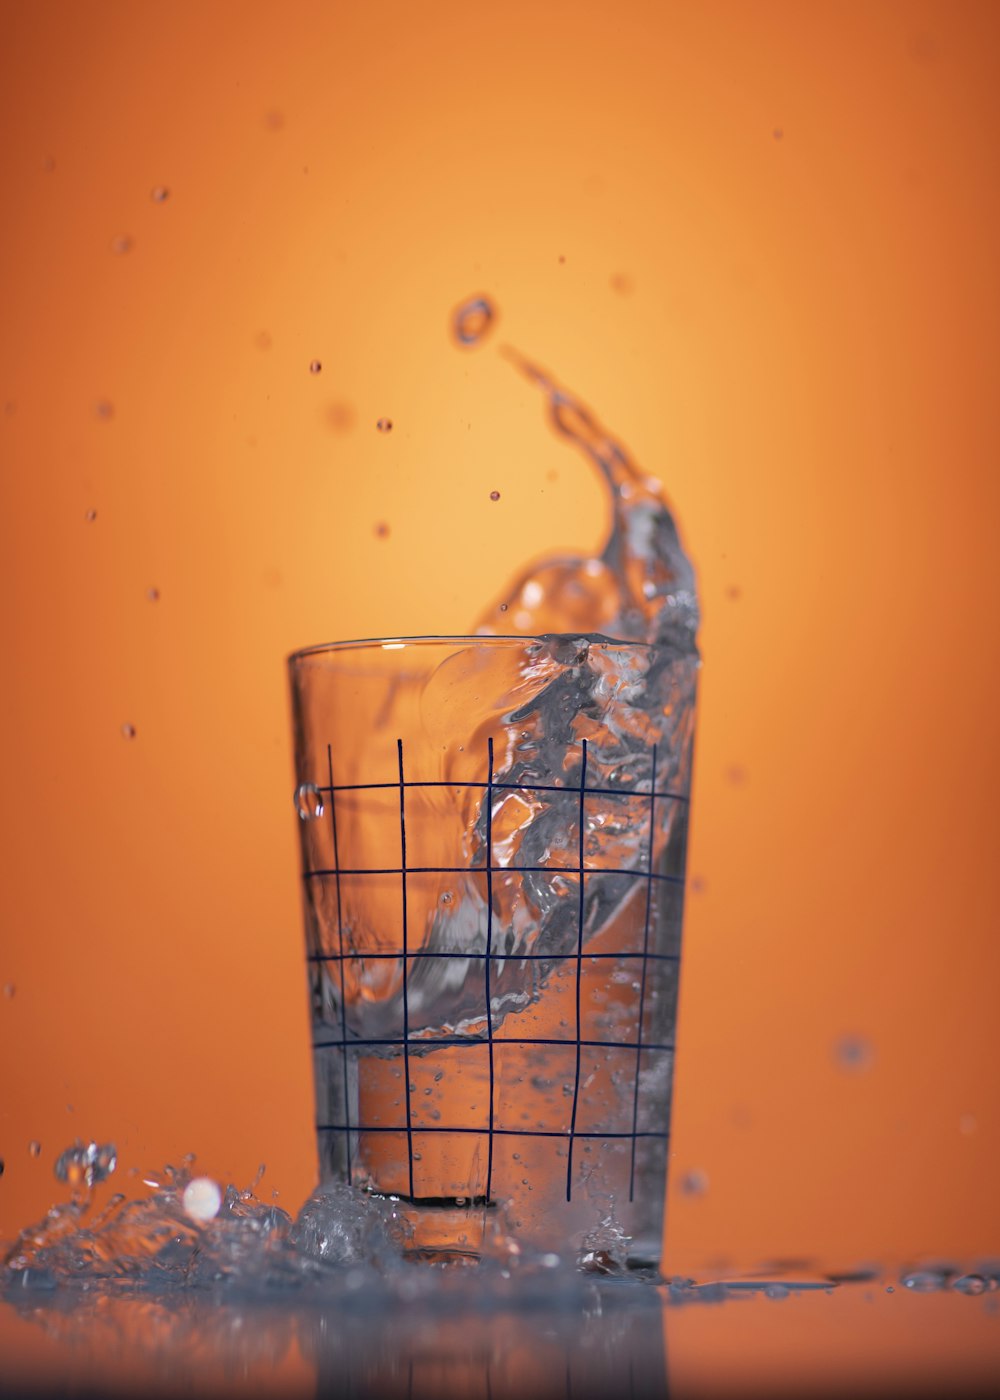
x: 759, y: 239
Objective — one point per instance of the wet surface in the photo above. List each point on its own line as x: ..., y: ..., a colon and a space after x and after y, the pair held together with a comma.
x: 460, y: 1332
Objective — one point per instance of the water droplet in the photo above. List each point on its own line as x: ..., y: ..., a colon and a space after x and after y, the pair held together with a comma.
x: 777, y: 1290
x: 382, y: 530
x: 90, y: 516
x: 970, y: 1283
x: 153, y: 595
x: 889, y: 1288
x: 853, y: 1053
x: 439, y: 1076
x: 122, y: 244
x: 202, y: 1198
x: 34, y: 1149
x: 128, y: 731
x: 104, y: 409
x: 472, y: 320
x: 315, y: 366
x: 693, y: 1183
x: 494, y: 495
x: 81, y: 1165
x: 9, y: 990
x: 384, y: 425
x: 924, y: 1281
x: 503, y: 607
x: 308, y: 802
x: 446, y: 896
x: 159, y: 194
x: 562, y: 257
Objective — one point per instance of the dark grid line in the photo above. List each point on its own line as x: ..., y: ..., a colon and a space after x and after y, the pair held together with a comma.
x: 499, y: 870
x: 340, y: 937
x: 489, y: 951
x: 422, y: 1042
x: 496, y: 957
x: 642, y: 984
x: 406, y: 963
x: 479, y: 1132
x: 579, y: 976
x: 507, y: 787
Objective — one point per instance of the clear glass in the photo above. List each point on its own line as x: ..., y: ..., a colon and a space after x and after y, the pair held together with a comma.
x: 493, y: 837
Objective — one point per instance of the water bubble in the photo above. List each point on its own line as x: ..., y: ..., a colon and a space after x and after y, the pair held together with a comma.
x: 128, y: 731
x: 90, y: 516
x: 159, y: 194
x: 122, y: 244
x: 384, y: 425
x: 34, y: 1149
x: 472, y: 320
x: 853, y: 1053
x: 693, y: 1183
x: 446, y: 896
x: 970, y: 1283
x: 494, y: 495
x: 81, y: 1165
x: 315, y: 366
x: 202, y: 1198
x: 308, y: 802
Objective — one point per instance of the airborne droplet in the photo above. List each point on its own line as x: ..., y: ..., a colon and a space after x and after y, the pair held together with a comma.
x: 472, y: 320
x: 494, y: 495
x: 308, y: 802
x: 315, y: 366
x: 159, y: 194
x: 86, y: 1166
x: 384, y: 425
x: 128, y: 731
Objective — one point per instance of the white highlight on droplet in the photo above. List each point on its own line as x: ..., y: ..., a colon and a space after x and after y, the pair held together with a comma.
x: 202, y: 1198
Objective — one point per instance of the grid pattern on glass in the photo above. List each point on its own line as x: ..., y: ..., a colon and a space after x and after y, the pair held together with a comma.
x: 577, y: 1042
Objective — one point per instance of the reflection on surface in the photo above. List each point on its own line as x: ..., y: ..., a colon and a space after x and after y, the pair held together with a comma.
x: 470, y: 1335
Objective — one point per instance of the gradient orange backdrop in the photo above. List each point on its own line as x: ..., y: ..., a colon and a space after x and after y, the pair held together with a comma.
x: 759, y: 239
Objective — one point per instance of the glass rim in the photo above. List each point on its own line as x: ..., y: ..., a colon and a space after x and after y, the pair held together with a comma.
x: 479, y: 639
